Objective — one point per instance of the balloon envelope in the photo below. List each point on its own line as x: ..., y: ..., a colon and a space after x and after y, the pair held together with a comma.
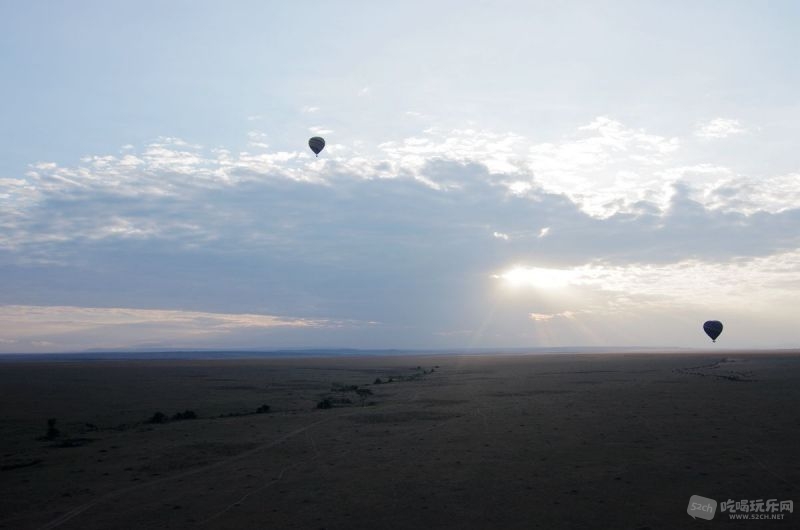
x: 316, y: 144
x: 713, y: 328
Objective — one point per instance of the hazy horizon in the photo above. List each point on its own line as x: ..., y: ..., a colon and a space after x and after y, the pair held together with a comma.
x: 504, y: 175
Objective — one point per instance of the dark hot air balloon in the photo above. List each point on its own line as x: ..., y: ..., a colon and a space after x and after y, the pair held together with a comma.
x: 713, y: 328
x: 316, y: 144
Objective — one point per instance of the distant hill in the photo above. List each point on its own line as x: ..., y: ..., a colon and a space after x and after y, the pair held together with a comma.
x: 152, y: 355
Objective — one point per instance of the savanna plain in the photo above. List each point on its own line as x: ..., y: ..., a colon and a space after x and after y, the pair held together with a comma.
x: 424, y: 441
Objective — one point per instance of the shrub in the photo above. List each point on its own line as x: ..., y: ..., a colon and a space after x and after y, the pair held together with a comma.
x: 73, y: 442
x: 185, y: 415
x: 325, y: 404
x: 377, y: 381
x: 263, y: 409
x: 52, y: 433
x: 363, y: 393
x: 158, y: 417
x: 338, y: 387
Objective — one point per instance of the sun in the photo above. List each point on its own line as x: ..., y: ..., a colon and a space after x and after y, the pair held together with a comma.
x: 537, y: 277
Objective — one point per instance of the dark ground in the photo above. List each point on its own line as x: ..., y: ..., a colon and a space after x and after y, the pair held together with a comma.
x: 541, y: 441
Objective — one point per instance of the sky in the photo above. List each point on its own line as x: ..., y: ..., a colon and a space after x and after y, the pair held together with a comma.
x: 496, y: 174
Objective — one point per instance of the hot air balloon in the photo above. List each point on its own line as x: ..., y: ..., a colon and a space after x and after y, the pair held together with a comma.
x: 316, y: 144
x: 713, y: 328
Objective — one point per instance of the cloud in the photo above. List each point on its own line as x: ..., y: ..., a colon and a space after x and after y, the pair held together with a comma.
x: 257, y: 139
x: 47, y: 319
x: 762, y: 281
x: 605, y: 166
x: 319, y: 130
x: 544, y: 317
x: 663, y: 305
x: 719, y: 128
x: 499, y: 152
x: 154, y: 194
x: 65, y: 327
x: 398, y: 233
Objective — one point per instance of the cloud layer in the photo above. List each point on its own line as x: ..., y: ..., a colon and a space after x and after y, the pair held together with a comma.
x: 410, y: 235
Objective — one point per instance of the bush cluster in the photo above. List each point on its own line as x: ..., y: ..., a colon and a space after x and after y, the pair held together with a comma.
x: 160, y: 417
